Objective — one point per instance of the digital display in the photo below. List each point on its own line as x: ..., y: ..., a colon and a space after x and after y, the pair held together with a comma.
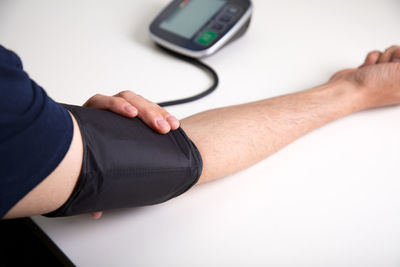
x: 190, y: 16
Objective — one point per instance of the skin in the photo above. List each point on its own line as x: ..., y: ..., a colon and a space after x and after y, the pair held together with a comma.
x: 242, y: 134
x: 55, y: 189
x: 261, y: 128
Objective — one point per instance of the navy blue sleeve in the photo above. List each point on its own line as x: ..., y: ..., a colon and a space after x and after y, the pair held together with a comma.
x: 35, y: 132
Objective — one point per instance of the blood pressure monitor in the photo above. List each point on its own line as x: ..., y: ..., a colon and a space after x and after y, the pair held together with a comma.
x: 199, y: 28
x: 191, y: 29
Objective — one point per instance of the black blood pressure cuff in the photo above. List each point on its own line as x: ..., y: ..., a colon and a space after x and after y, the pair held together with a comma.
x: 127, y: 164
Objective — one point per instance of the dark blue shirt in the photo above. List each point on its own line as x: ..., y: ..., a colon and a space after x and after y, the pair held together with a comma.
x: 35, y: 132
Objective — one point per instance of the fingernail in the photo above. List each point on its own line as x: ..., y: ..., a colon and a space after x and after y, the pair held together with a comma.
x: 130, y: 109
x: 396, y: 60
x: 172, y: 120
x: 162, y: 123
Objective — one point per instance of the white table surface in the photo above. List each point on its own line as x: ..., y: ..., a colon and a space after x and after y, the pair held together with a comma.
x: 329, y: 199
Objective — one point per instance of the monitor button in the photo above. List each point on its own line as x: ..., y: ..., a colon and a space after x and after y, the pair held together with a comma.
x: 207, y: 37
x: 225, y: 18
x: 217, y: 27
x: 233, y: 9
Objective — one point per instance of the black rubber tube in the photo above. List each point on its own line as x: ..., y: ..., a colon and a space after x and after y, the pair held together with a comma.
x: 200, y: 65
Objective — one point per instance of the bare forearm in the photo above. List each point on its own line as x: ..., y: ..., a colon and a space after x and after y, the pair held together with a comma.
x: 233, y: 138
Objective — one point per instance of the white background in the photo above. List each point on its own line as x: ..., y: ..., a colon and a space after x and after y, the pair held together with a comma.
x: 329, y: 199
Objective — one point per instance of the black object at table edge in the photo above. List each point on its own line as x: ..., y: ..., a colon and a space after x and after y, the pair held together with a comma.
x: 18, y: 237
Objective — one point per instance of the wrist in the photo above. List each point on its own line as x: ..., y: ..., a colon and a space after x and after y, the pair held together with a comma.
x: 346, y: 94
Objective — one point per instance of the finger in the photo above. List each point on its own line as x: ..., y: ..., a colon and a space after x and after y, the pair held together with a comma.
x: 372, y: 58
x: 164, y: 121
x: 396, y: 56
x: 173, y: 122
x: 97, y: 215
x: 387, y: 55
x: 112, y: 103
x: 152, y: 114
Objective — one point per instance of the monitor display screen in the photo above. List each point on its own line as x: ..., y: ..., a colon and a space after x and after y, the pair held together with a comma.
x: 190, y: 16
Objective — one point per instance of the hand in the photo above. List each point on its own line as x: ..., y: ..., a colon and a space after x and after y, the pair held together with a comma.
x: 377, y: 79
x: 129, y: 104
